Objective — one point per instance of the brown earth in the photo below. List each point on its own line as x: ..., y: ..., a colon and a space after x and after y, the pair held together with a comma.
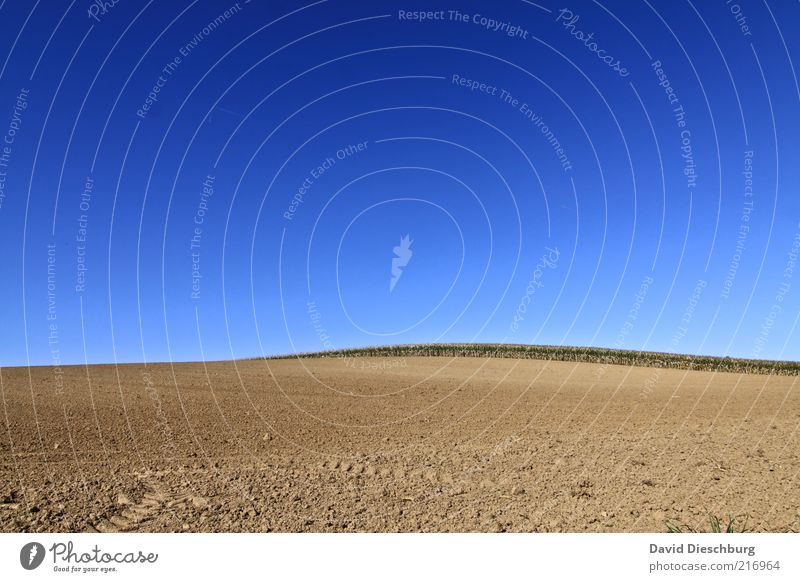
x: 409, y: 444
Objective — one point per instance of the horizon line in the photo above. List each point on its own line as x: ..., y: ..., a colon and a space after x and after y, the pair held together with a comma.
x: 531, y: 349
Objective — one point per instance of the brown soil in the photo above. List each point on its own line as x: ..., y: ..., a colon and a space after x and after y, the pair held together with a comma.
x: 408, y: 444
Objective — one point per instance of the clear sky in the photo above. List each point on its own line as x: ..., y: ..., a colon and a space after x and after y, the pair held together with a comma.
x: 186, y: 180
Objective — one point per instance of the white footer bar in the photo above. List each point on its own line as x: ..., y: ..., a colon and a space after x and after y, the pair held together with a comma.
x: 355, y: 557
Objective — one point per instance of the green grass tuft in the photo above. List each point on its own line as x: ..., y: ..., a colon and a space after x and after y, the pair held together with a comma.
x: 733, y: 524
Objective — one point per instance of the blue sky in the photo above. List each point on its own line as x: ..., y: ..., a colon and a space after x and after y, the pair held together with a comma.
x: 188, y: 180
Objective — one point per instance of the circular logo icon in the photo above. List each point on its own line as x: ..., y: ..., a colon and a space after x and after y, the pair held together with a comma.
x: 31, y: 555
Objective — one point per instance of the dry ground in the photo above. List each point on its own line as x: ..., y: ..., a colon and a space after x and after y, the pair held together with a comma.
x: 414, y: 444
